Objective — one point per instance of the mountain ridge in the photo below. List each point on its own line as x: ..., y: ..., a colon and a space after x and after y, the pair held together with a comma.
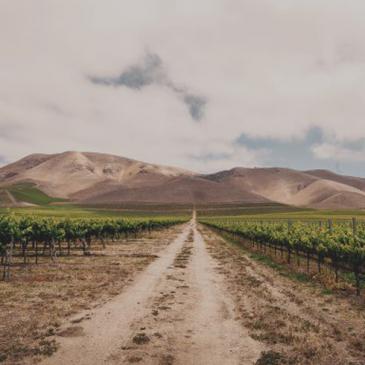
x: 98, y: 178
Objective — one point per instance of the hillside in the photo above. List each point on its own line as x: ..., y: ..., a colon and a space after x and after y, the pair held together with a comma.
x: 316, y: 189
x: 356, y: 182
x: 180, y: 190
x: 63, y: 175
x: 275, y: 184
x: 96, y: 178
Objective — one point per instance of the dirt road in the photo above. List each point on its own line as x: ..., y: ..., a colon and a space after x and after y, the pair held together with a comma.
x: 206, y: 301
x: 176, y: 312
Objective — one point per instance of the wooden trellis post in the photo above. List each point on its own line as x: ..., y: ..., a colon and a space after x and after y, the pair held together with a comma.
x: 354, y: 226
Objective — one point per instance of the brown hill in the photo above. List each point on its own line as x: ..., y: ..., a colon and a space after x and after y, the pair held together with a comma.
x: 275, y: 184
x: 181, y: 190
x: 298, y: 188
x: 96, y: 178
x: 344, y: 200
x: 356, y: 182
x: 320, y: 194
x: 65, y: 174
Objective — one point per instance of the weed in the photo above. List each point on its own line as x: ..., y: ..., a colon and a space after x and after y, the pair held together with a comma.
x: 269, y: 358
x: 141, y: 339
x: 326, y: 291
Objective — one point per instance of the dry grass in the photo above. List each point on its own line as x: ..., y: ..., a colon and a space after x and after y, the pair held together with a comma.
x: 298, y: 324
x: 39, y: 297
x: 297, y: 268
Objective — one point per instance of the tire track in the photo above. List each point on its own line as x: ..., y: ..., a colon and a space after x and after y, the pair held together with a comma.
x: 178, y: 311
x: 109, y: 325
x: 191, y: 319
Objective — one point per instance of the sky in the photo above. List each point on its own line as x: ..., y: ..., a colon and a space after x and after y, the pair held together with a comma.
x: 204, y: 85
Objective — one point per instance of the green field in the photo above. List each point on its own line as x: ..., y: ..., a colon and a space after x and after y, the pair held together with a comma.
x: 75, y: 211
x: 246, y: 209
x: 277, y: 211
x: 72, y: 210
x: 29, y: 193
x: 43, y: 205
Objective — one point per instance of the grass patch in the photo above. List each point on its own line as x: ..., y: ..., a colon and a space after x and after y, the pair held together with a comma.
x: 74, y: 211
x: 265, y: 260
x: 254, y: 210
x: 282, y: 269
x: 269, y: 358
x: 301, y: 277
x: 327, y: 291
x: 276, y: 211
x: 29, y: 193
x: 349, y: 277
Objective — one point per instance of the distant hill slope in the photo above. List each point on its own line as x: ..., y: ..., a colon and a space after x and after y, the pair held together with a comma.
x: 356, y: 182
x: 181, y: 190
x: 275, y: 184
x: 96, y: 178
x: 65, y: 174
x: 308, y: 189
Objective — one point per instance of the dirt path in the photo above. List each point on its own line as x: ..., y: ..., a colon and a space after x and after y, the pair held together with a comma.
x: 176, y: 312
x: 206, y: 301
x: 191, y: 318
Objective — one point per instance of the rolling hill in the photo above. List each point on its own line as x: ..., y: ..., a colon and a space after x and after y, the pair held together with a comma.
x: 98, y: 179
x: 316, y: 189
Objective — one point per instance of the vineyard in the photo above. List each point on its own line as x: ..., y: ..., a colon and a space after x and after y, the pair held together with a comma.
x: 110, y: 284
x: 340, y: 246
x: 30, y: 237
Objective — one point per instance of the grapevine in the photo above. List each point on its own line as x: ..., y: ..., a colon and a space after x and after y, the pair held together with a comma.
x: 47, y: 236
x: 341, y: 247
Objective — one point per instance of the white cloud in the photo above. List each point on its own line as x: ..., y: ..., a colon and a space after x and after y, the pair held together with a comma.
x: 268, y: 68
x: 328, y: 151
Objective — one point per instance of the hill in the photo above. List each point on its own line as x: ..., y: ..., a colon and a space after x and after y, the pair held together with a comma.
x: 316, y: 189
x: 104, y: 179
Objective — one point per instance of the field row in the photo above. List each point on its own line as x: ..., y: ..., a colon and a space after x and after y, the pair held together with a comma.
x: 340, y: 246
x: 42, y: 236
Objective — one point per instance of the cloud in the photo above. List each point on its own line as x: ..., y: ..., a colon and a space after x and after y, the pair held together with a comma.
x: 305, y: 151
x: 312, y: 136
x: 152, y: 71
x: 137, y: 76
x: 196, y: 105
x: 10, y: 131
x: 226, y: 156
x: 355, y: 145
x: 266, y: 70
x: 339, y: 152
x: 3, y: 160
x: 293, y: 152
